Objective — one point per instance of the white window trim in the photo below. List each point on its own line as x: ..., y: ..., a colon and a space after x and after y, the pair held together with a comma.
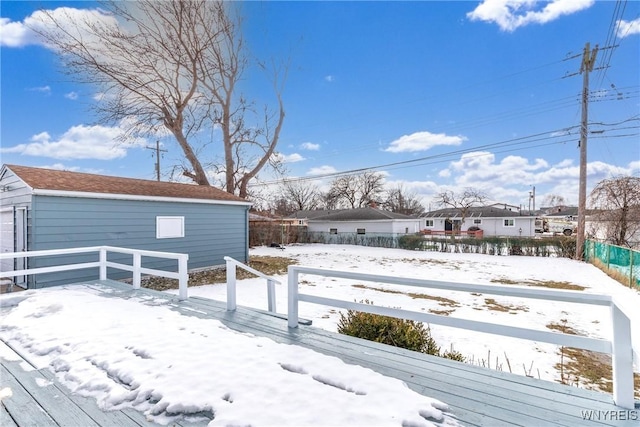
x: 427, y: 221
x: 169, y: 227
x: 477, y: 221
x: 513, y: 222
x: 364, y: 231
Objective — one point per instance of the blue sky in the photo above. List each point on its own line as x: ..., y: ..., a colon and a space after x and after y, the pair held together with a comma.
x: 436, y: 95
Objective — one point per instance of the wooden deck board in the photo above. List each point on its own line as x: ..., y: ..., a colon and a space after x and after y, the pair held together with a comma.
x: 476, y: 396
x: 440, y: 378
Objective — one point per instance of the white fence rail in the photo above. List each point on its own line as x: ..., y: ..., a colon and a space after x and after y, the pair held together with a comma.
x: 620, y: 347
x: 231, y: 284
x: 136, y: 268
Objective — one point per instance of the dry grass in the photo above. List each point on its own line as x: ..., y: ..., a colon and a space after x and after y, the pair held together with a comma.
x: 615, y: 274
x: 441, y: 312
x: 583, y: 367
x: 562, y: 327
x: 590, y: 369
x: 269, y: 265
x: 446, y: 302
x: 552, y: 284
x: 494, y: 305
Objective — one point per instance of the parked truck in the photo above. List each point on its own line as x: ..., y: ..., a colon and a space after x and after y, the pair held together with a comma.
x: 556, y: 225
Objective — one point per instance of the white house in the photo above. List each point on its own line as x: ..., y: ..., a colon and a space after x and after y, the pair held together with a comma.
x: 361, y: 221
x: 492, y: 220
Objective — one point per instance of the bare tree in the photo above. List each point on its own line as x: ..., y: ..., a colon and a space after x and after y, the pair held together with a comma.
x: 171, y: 65
x: 300, y: 195
x: 553, y: 200
x: 399, y: 200
x: 356, y: 191
x: 247, y: 147
x: 462, y: 201
x: 617, y: 209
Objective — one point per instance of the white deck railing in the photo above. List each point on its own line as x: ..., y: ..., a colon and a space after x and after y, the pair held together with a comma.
x: 231, y: 284
x: 136, y: 268
x: 620, y: 347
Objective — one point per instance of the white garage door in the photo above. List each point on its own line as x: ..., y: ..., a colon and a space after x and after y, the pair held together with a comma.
x: 6, y: 237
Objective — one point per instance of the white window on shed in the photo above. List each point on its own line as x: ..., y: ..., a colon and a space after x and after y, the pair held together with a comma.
x: 360, y: 231
x: 509, y: 223
x: 429, y: 223
x: 169, y: 227
x: 333, y: 231
x: 477, y: 221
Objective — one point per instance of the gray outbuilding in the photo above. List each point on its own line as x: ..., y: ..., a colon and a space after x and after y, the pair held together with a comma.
x: 50, y: 209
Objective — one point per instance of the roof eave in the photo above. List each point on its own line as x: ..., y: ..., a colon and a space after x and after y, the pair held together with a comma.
x: 115, y: 196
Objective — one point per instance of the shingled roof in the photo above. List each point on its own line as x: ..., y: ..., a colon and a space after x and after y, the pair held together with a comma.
x: 50, y: 179
x: 476, y: 212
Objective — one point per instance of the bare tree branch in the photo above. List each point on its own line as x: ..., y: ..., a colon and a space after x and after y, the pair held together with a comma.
x: 617, y: 209
x: 171, y: 65
x: 462, y: 201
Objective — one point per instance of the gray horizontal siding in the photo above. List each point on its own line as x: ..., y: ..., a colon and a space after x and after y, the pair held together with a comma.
x: 211, y: 232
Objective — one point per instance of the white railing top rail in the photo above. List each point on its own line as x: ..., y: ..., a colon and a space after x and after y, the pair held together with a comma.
x: 620, y: 347
x: 67, y: 251
x: 136, y: 268
x: 251, y: 270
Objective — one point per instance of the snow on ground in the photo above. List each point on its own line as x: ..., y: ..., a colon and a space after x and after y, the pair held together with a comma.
x: 508, y: 354
x: 139, y: 353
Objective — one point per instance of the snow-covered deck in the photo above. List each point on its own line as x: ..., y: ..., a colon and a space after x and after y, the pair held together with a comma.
x: 476, y: 396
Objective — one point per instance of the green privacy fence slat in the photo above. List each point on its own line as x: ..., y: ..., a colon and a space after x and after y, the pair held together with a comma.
x: 622, y: 263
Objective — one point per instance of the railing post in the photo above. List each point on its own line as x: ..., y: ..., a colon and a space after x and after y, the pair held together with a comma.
x: 292, y: 312
x: 183, y: 272
x: 137, y: 264
x: 622, y: 359
x: 103, y: 264
x: 231, y: 285
x: 271, y: 295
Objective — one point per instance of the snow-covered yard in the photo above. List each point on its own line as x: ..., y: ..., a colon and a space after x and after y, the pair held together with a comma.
x: 508, y: 354
x: 139, y: 353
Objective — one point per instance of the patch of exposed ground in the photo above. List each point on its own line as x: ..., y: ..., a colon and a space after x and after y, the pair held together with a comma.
x: 269, y: 265
x: 455, y: 265
x: 586, y: 368
x: 553, y: 284
x: 441, y: 312
x: 494, y: 305
x: 446, y: 302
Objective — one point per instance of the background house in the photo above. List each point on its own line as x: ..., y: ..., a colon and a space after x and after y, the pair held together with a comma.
x: 361, y: 221
x: 492, y: 220
x: 49, y: 209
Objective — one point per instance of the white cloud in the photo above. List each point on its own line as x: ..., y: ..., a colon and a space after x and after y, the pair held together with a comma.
x: 422, y: 141
x: 79, y: 142
x: 20, y: 34
x: 322, y: 170
x: 310, y: 146
x: 71, y: 95
x: 287, y: 158
x: 15, y: 34
x: 564, y: 163
x: 43, y: 89
x: 628, y: 28
x: 329, y: 79
x: 510, y: 179
x: 512, y: 14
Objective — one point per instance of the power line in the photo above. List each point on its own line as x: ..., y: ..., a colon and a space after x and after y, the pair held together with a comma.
x: 557, y: 133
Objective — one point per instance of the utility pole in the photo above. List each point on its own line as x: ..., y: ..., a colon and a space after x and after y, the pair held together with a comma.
x: 157, y: 149
x: 588, y: 60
